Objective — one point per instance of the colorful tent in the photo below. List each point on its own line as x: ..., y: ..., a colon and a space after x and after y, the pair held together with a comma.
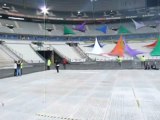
x: 118, y: 49
x: 68, y: 31
x: 96, y: 49
x: 92, y: 45
x: 138, y: 24
x: 152, y: 45
x: 123, y: 30
x: 156, y: 50
x: 130, y: 51
x: 103, y: 29
x: 81, y: 27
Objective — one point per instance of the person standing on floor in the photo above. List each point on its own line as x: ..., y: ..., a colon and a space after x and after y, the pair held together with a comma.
x: 147, y: 66
x: 48, y: 64
x: 18, y: 68
x: 15, y: 68
x: 57, y: 65
x: 154, y: 66
x: 21, y: 66
x: 143, y: 61
x: 119, y: 60
x: 64, y: 63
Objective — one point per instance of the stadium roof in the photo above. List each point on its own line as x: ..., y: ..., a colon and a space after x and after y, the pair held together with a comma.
x: 79, y: 5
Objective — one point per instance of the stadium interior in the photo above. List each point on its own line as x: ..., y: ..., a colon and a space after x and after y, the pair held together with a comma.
x: 25, y: 26
x: 95, y: 37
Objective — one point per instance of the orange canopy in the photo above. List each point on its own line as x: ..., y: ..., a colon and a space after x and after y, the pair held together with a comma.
x: 118, y: 49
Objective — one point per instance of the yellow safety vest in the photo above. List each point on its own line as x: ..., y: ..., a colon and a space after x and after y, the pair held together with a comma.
x: 21, y: 65
x: 143, y: 59
x: 49, y: 63
x: 119, y: 59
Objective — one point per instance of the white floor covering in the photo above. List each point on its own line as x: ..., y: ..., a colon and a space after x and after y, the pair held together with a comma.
x: 81, y: 95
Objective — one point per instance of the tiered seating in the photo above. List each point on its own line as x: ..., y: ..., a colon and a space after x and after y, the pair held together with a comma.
x: 57, y: 29
x: 29, y: 28
x: 25, y: 52
x: 5, y: 59
x: 39, y: 28
x: 68, y: 52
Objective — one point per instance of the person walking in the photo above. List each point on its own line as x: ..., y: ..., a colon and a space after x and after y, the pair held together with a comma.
x: 57, y: 65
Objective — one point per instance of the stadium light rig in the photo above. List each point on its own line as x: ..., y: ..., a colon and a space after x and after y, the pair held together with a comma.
x: 44, y: 10
x: 79, y: 13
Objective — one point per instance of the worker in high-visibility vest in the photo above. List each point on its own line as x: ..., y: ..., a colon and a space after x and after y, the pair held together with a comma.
x: 143, y: 61
x: 21, y: 66
x: 49, y: 64
x: 119, y: 60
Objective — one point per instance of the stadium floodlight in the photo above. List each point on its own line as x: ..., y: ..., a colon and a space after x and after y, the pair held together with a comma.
x: 44, y: 10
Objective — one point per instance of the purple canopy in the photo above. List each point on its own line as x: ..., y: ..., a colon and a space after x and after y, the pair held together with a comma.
x: 81, y: 27
x: 130, y: 51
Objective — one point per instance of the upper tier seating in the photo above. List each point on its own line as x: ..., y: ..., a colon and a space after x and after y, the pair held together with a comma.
x: 33, y: 28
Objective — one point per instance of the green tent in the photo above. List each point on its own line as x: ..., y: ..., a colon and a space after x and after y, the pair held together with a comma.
x: 68, y: 31
x: 123, y: 30
x: 156, y: 50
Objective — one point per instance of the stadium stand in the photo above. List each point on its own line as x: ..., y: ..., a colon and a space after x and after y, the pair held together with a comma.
x: 67, y: 52
x: 5, y: 59
x: 25, y: 52
x: 33, y: 28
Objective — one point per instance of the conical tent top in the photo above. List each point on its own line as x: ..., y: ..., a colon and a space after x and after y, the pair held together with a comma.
x: 96, y: 49
x: 156, y: 50
x: 130, y: 51
x: 123, y: 30
x: 68, y: 31
x: 138, y: 25
x: 118, y: 49
x: 103, y: 29
x: 81, y: 27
